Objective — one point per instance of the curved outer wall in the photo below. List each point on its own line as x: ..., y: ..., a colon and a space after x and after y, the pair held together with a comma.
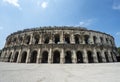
x: 59, y: 45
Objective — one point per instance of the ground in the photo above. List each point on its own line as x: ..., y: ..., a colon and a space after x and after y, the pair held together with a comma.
x: 101, y: 72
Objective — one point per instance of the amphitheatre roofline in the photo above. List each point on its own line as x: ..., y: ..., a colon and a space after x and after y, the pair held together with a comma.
x: 57, y: 28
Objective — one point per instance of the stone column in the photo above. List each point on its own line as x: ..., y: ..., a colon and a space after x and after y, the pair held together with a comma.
x: 74, y: 58
x: 28, y: 56
x: 50, y: 56
x: 72, y: 39
x: 95, y: 56
x: 62, y: 56
x: 82, y: 39
x: 51, y: 39
x: 19, y: 56
x: 91, y: 39
x: 109, y: 56
x: 85, y: 57
x: 103, y: 56
x: 114, y: 57
x: 38, y: 56
x: 62, y: 38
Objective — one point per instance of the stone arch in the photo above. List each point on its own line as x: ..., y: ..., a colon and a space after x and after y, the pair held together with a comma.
x: 15, y: 56
x: 99, y: 57
x: 112, y: 56
x: 9, y: 57
x: 77, y: 39
x: 79, y: 55
x: 90, y: 57
x: 44, y: 57
x: 68, y: 57
x: 27, y: 39
x: 36, y: 38
x: 33, y: 57
x: 56, y: 57
x: 57, y: 38
x: 67, y: 38
x: 46, y: 39
x: 24, y: 57
x: 95, y: 39
x: 106, y: 56
x: 86, y: 39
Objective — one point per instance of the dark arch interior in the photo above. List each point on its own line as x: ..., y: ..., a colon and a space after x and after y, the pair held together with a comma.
x: 56, y: 57
x: 101, y: 39
x: 46, y: 41
x: 36, y: 39
x: 67, y: 38
x: 57, y: 38
x: 33, y: 57
x: 68, y: 58
x: 15, y: 57
x: 106, y: 56
x: 90, y: 57
x: 79, y: 57
x: 28, y: 40
x: 24, y: 56
x: 99, y: 57
x: 9, y: 57
x: 94, y: 39
x: 77, y: 39
x: 45, y: 57
x: 86, y: 38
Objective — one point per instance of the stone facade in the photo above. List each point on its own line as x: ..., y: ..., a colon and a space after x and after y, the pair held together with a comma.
x: 59, y: 45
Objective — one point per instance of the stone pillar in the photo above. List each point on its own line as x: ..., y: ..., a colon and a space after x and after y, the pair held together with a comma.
x: 95, y: 56
x: 38, y: 56
x: 31, y: 38
x: 114, y: 57
x: 51, y: 39
x: 72, y: 39
x: 103, y: 56
x: 62, y: 56
x: 19, y: 56
x: 85, y: 57
x: 74, y: 58
x: 91, y: 39
x: 62, y: 38
x: 50, y: 56
x: 82, y: 39
x: 109, y: 56
x: 28, y: 56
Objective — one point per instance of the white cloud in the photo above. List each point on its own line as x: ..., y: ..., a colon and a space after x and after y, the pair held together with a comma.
x: 12, y: 2
x: 43, y: 4
x: 86, y: 23
x: 116, y: 5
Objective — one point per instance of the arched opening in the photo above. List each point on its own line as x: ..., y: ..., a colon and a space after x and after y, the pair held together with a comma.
x: 24, y: 56
x: 46, y: 40
x: 56, y: 57
x: 101, y: 40
x: 57, y: 38
x: 79, y: 57
x: 106, y: 56
x: 15, y: 57
x: 90, y: 57
x: 86, y: 38
x: 76, y: 37
x: 68, y: 58
x: 111, y: 42
x: 107, y: 40
x: 9, y: 57
x: 67, y: 38
x: 36, y: 38
x: 33, y: 57
x: 99, y: 57
x: 45, y: 57
x: 27, y: 39
x: 95, y: 39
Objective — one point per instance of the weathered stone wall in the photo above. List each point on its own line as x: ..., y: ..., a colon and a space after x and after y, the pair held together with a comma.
x: 59, y: 45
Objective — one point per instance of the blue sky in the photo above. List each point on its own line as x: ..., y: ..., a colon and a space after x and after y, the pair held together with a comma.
x: 100, y: 15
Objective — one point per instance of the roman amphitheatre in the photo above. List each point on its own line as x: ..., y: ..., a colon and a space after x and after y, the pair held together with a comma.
x: 59, y: 45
